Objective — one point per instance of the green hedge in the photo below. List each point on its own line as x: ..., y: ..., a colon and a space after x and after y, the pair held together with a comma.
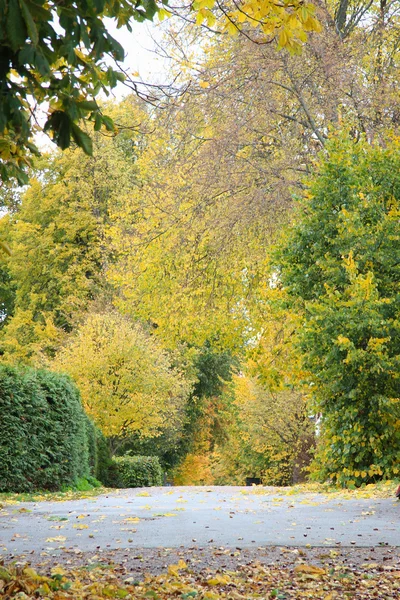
x: 136, y: 471
x: 46, y: 439
x: 103, y: 461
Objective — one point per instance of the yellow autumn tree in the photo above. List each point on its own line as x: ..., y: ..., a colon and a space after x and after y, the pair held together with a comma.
x: 126, y: 379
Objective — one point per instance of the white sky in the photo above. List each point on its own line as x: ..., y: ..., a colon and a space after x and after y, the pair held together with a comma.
x: 140, y: 46
x: 140, y: 58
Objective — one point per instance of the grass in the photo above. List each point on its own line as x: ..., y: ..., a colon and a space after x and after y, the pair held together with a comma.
x: 83, y: 488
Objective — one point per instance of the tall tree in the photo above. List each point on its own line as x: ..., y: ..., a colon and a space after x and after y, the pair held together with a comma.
x: 339, y: 265
x: 58, y: 234
x: 239, y: 144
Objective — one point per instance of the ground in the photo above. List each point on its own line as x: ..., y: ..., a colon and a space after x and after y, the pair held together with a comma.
x: 247, y: 542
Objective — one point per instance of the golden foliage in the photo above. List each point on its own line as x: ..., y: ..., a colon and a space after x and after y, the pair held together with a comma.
x: 125, y: 378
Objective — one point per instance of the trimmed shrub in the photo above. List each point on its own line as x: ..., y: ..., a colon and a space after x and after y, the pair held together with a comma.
x: 91, y: 438
x: 99, y: 452
x: 103, y: 457
x: 137, y: 471
x: 44, y: 432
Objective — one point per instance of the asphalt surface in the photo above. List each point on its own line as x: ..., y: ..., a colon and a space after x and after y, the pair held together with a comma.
x: 181, y: 517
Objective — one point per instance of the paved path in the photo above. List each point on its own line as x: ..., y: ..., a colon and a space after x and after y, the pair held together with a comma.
x: 187, y: 516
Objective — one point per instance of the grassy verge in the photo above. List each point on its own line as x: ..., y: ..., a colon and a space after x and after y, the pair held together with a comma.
x: 82, y: 489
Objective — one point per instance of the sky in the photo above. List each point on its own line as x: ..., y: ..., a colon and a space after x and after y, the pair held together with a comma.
x: 140, y: 48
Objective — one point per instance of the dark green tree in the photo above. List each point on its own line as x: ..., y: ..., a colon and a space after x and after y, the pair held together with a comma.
x: 340, y: 266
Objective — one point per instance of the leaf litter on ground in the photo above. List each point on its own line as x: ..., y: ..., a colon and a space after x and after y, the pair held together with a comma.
x: 382, y: 489
x: 334, y: 579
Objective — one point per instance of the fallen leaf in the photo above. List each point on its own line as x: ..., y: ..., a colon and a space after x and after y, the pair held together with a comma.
x: 309, y: 570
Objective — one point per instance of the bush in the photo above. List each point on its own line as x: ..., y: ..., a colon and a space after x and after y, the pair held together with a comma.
x: 137, y: 471
x: 44, y: 432
x: 103, y: 457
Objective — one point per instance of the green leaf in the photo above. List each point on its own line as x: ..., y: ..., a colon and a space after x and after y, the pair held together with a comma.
x: 15, y: 25
x: 5, y: 248
x: 108, y: 123
x: 117, y: 50
x: 97, y: 122
x: 30, y: 23
x: 82, y: 139
x: 60, y: 124
x: 87, y: 105
x: 26, y: 55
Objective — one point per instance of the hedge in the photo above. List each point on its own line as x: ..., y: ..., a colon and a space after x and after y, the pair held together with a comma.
x: 100, y: 455
x: 46, y: 439
x: 137, y: 471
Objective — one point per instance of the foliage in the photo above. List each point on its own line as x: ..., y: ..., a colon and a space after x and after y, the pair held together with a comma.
x: 99, y: 452
x: 125, y: 378
x: 340, y: 267
x: 103, y: 459
x: 334, y: 574
x: 63, y: 65
x: 287, y: 23
x: 137, y: 471
x: 57, y: 235
x: 274, y: 431
x: 207, y: 419
x: 194, y: 260
x: 43, y: 431
x: 7, y: 292
x: 170, y: 224
x: 195, y: 468
x: 261, y: 425
x: 54, y: 55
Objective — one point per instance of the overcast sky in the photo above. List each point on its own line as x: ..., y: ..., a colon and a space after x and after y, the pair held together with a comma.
x: 140, y: 46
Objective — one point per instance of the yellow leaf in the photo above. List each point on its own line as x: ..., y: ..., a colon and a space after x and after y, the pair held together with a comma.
x: 29, y: 572
x: 174, y: 569
x: 58, y: 570
x: 182, y: 564
x: 218, y: 580
x: 309, y: 570
x: 283, y: 39
x: 163, y: 14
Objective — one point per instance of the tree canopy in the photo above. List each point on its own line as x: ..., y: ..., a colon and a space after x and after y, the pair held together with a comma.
x: 126, y: 380
x: 225, y: 270
x: 340, y: 268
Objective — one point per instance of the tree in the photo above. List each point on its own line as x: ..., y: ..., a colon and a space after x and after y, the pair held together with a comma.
x: 339, y: 265
x: 126, y: 379
x: 54, y: 54
x: 286, y: 24
x: 58, y: 236
x: 218, y: 175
